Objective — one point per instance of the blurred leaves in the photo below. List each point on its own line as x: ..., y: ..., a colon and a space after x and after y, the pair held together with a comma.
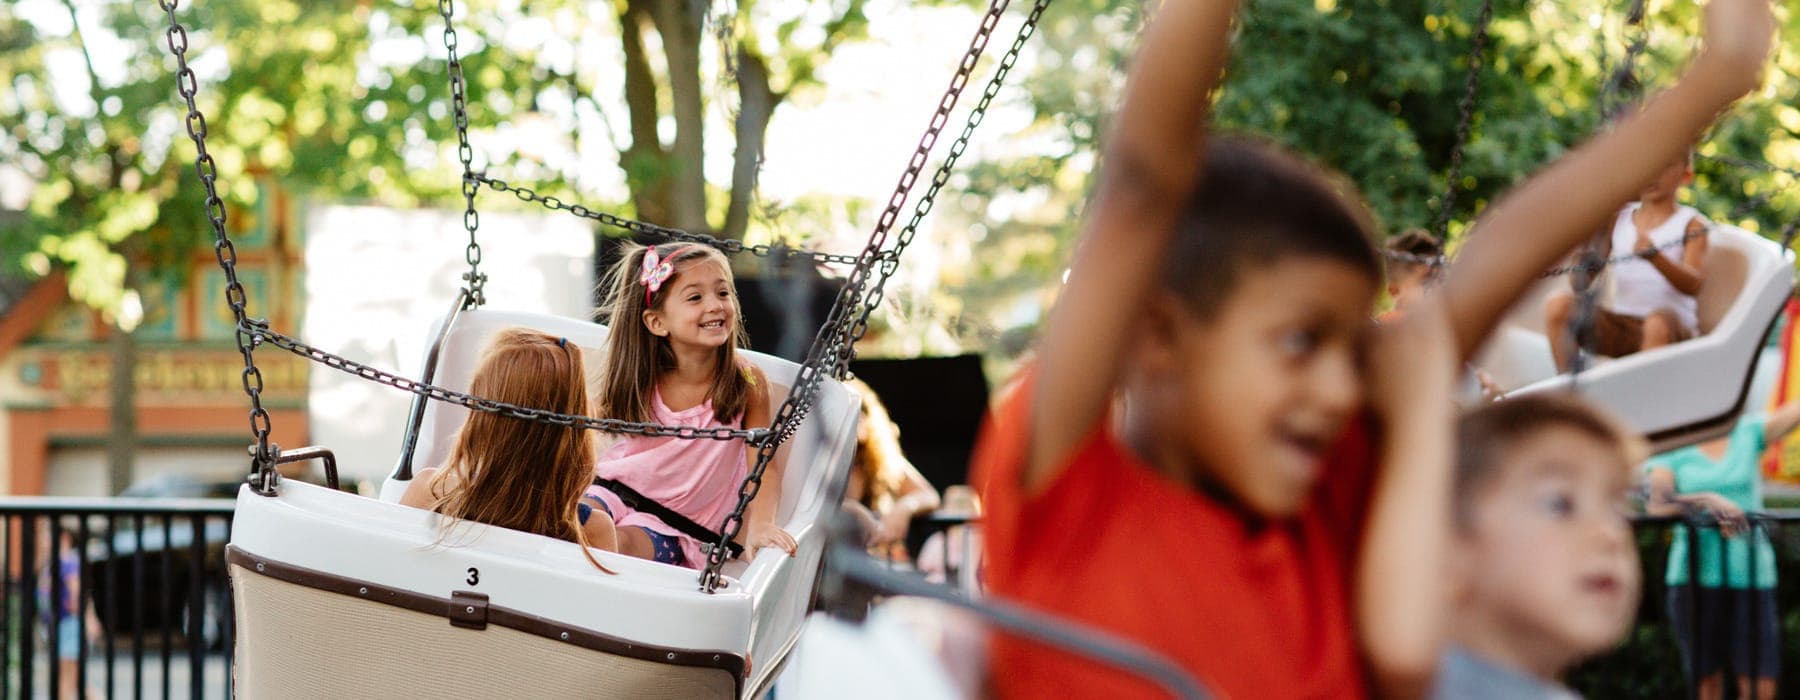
x: 1370, y: 89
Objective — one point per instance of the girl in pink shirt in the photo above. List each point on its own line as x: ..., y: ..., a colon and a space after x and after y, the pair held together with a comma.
x: 672, y: 359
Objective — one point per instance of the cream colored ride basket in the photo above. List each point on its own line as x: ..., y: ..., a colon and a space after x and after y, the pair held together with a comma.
x: 342, y: 596
x: 1681, y: 394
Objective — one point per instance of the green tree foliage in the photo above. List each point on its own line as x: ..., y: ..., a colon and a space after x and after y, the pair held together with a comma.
x: 348, y: 99
x: 1370, y: 89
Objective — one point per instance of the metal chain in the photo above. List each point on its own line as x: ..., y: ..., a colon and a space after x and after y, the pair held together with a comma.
x: 830, y: 344
x: 725, y: 32
x: 1465, y: 117
x: 1587, y: 303
x: 1749, y: 164
x: 1585, y: 265
x: 262, y: 332
x: 1587, y: 297
x: 1624, y: 78
x: 474, y: 280
x: 878, y: 292
x: 263, y: 476
x: 526, y: 194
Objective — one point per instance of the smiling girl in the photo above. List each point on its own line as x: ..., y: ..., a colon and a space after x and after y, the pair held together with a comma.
x: 672, y: 359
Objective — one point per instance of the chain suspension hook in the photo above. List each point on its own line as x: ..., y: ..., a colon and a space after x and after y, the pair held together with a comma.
x: 474, y: 281
x: 262, y: 453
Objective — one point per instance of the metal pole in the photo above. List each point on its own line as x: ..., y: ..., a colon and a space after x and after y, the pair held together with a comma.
x: 168, y: 598
x: 83, y: 606
x: 196, y: 625
x: 28, y: 599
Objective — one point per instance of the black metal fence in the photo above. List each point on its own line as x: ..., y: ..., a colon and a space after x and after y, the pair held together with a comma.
x: 114, y: 598
x: 127, y: 598
x: 1650, y: 662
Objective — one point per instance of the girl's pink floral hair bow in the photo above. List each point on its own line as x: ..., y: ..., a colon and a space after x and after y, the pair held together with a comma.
x: 656, y: 271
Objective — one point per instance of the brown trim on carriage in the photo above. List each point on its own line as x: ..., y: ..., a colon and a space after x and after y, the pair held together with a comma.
x: 1730, y: 416
x: 494, y: 615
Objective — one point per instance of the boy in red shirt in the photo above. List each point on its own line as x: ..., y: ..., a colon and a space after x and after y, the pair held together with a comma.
x: 1215, y: 456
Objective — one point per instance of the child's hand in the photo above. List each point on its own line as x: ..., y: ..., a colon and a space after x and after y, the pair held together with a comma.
x: 1732, y: 520
x: 766, y: 534
x: 1412, y: 362
x: 866, y: 523
x: 1490, y: 389
x: 894, y: 525
x: 1739, y: 35
x: 1646, y: 248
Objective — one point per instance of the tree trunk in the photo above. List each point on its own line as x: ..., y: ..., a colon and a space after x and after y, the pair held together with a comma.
x: 681, y: 30
x: 121, y: 444
x: 645, y: 162
x: 756, y: 103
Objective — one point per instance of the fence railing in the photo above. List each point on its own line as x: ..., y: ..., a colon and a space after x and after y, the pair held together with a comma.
x: 114, y: 598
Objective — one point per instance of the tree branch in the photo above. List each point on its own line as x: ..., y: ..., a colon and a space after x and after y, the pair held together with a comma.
x: 681, y: 33
x: 643, y: 161
x: 756, y: 104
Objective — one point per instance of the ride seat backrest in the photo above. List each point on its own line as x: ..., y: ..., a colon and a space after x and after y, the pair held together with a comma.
x: 1725, y: 268
x: 469, y: 337
x: 461, y: 355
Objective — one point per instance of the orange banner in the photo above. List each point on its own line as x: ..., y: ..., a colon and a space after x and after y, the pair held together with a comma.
x: 1782, y: 463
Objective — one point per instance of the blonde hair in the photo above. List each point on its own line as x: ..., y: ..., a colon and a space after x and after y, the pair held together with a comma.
x: 516, y: 473
x: 877, y: 442
x: 636, y: 357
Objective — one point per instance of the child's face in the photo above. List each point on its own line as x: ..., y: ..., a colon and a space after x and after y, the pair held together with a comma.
x: 1251, y: 398
x: 1548, y: 570
x: 699, y: 307
x: 1408, y: 283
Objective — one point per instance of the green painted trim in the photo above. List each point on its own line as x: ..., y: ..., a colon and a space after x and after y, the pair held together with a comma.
x: 142, y: 345
x: 197, y: 440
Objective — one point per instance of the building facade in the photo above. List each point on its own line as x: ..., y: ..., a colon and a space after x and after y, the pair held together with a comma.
x: 189, y: 412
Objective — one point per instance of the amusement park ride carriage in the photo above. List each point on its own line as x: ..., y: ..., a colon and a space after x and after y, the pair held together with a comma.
x: 338, y: 595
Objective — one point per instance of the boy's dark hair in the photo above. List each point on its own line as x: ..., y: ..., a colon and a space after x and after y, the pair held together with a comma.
x: 1415, y: 247
x: 1255, y: 205
x: 1485, y: 435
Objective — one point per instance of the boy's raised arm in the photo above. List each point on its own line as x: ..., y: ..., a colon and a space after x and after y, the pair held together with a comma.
x: 1151, y: 158
x: 1556, y: 209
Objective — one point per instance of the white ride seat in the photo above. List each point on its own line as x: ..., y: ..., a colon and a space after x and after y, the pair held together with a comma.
x: 343, y: 596
x: 1676, y: 395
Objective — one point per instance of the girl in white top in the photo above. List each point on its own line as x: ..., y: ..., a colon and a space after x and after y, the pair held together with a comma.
x: 1652, y: 297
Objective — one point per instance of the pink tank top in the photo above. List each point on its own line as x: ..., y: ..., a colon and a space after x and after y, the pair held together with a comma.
x: 697, y: 478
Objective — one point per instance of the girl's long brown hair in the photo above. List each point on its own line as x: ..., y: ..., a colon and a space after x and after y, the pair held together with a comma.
x: 515, y: 473
x: 636, y: 357
x: 876, y: 441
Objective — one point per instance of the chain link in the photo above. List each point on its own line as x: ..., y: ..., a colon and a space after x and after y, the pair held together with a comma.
x: 1749, y: 164
x: 1587, y: 304
x: 877, y: 293
x: 475, y: 281
x: 835, y: 341
x: 263, y: 476
x: 1624, y: 78
x: 263, y: 333
x: 725, y: 33
x: 1465, y: 117
x: 1586, y: 265
x: 528, y: 195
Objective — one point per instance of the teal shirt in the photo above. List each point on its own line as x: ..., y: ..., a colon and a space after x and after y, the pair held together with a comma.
x: 1736, y: 476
